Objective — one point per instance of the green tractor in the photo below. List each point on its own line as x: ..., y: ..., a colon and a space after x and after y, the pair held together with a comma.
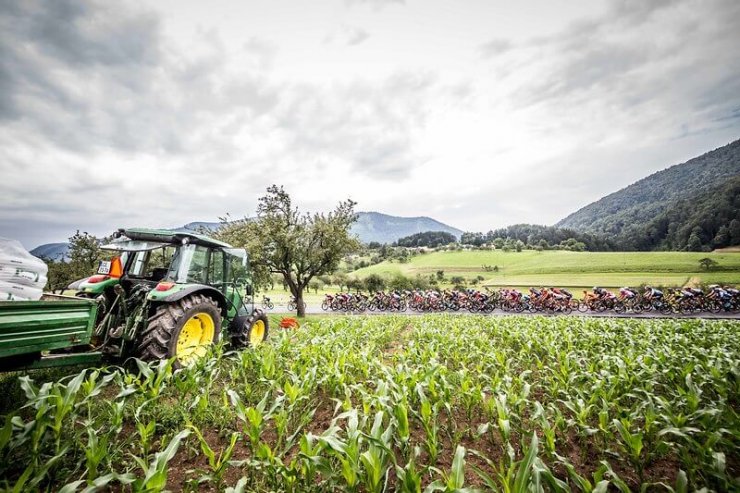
x: 172, y: 295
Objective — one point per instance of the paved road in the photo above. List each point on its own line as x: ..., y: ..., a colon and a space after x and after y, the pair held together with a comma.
x: 315, y: 310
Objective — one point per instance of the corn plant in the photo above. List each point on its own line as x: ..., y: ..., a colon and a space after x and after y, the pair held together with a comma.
x: 153, y: 378
x: 401, y: 423
x: 632, y: 443
x: 145, y: 431
x: 347, y: 451
x: 155, y: 472
x: 217, y: 462
x: 377, y: 458
x: 428, y: 417
x: 409, y: 478
x: 253, y: 418
x: 455, y: 479
x: 96, y: 450
x: 34, y: 474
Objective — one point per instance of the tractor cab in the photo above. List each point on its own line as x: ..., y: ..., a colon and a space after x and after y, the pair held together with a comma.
x: 221, y: 271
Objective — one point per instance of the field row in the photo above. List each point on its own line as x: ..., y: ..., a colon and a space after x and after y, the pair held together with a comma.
x: 398, y: 404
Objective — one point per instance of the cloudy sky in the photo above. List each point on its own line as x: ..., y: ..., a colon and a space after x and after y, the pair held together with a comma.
x: 478, y: 113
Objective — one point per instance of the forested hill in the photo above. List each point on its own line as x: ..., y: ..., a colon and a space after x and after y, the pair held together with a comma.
x: 663, y: 211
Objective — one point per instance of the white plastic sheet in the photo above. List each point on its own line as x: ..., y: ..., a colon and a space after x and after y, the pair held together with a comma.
x: 22, y: 276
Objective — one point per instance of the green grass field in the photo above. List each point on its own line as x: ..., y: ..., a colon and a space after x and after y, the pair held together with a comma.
x: 569, y: 269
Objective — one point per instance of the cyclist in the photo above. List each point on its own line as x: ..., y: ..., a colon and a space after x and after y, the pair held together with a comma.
x: 560, y: 293
x: 626, y: 293
x: 601, y: 293
x: 651, y: 293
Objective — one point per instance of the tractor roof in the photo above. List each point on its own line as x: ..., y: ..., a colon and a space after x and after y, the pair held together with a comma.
x: 169, y: 236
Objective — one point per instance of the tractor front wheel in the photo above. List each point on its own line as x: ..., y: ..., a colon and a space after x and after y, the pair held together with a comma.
x: 250, y: 331
x: 184, y: 329
x: 257, y: 331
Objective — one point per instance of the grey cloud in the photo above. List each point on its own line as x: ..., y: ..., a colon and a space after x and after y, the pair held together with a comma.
x: 593, y: 65
x: 350, y: 36
x: 636, y: 10
x: 640, y: 56
x: 377, y: 4
x: 87, y: 85
x: 733, y: 114
x: 150, y: 101
x: 98, y: 75
x: 357, y: 36
x: 68, y: 36
x: 365, y: 126
x: 388, y: 157
x: 495, y: 47
x: 263, y: 51
x: 83, y: 33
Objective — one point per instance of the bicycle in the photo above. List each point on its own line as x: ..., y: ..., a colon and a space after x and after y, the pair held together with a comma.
x: 267, y: 304
x: 292, y: 305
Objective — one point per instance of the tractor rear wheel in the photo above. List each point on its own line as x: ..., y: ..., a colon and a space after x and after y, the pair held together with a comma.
x: 183, y: 329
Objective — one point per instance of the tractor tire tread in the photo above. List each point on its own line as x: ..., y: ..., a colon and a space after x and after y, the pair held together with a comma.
x: 156, y: 337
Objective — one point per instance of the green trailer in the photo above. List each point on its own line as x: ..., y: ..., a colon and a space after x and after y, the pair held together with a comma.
x: 54, y: 331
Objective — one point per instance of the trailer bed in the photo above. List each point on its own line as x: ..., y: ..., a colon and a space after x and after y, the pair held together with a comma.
x: 35, y: 327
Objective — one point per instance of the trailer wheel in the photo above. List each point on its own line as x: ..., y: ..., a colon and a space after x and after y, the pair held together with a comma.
x: 183, y: 330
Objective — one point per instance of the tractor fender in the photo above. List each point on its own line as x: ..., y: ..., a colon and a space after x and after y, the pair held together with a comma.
x: 209, y: 291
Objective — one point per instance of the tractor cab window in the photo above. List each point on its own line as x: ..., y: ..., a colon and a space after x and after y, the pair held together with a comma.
x: 189, y: 264
x: 150, y: 264
x: 216, y: 270
x: 237, y: 268
x: 198, y: 265
x: 137, y: 264
x: 158, y: 262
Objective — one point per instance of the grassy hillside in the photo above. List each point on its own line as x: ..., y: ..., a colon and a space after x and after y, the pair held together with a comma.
x: 574, y: 269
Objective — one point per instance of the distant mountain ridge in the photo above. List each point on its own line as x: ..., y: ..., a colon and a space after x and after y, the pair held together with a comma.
x: 644, y: 215
x: 370, y: 226
x: 382, y: 228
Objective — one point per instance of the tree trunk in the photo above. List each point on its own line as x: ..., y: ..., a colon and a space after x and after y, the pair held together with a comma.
x: 296, y: 289
x: 301, y: 306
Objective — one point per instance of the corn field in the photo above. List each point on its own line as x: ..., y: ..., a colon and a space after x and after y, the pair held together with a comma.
x: 433, y: 403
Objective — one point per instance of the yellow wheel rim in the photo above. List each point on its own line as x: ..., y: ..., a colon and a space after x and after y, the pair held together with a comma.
x: 257, y: 334
x: 195, y: 337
